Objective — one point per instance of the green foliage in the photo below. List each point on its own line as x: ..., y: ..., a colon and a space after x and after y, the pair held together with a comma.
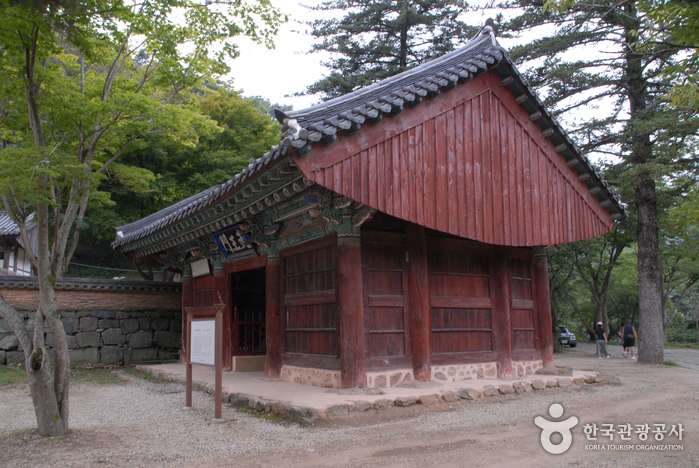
x: 99, y: 78
x: 376, y: 39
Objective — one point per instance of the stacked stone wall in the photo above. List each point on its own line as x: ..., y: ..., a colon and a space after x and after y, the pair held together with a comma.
x: 110, y: 324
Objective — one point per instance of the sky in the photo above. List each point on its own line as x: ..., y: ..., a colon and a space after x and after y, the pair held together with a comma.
x: 289, y: 68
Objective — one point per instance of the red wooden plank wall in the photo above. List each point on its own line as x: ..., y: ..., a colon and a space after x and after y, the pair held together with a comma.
x: 310, y: 325
x: 468, y: 162
x: 385, y: 281
x: 523, y: 316
x: 202, y: 291
x: 461, y: 315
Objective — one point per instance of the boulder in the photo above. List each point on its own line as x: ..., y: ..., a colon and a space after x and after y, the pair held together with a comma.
x: 564, y: 382
x: 2, y: 357
x: 551, y: 383
x: 490, y: 390
x: 12, y: 358
x: 361, y: 406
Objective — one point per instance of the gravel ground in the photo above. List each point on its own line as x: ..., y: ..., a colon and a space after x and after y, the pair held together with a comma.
x: 144, y: 424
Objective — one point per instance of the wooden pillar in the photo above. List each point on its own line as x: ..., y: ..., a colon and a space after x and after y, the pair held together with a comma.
x: 419, y: 302
x: 351, y: 309
x: 502, y: 312
x: 543, y: 306
x: 273, y: 360
x: 186, y: 302
x: 222, y: 296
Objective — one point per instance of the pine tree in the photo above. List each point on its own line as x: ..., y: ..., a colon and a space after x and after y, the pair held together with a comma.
x: 376, y: 39
x: 603, y: 63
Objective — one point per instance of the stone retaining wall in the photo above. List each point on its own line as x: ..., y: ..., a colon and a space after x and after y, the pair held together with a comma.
x: 121, y: 324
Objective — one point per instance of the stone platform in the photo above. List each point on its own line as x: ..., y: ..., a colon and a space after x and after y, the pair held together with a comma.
x: 306, y: 404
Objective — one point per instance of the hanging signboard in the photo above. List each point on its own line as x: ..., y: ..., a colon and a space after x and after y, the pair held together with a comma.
x: 203, y: 342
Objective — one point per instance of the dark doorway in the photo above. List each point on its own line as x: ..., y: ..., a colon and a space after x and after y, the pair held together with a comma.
x: 248, y: 323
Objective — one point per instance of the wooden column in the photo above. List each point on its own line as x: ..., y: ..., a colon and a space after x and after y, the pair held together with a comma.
x: 222, y: 296
x: 186, y: 302
x: 502, y: 312
x: 543, y: 306
x: 351, y: 310
x: 273, y: 360
x: 419, y: 302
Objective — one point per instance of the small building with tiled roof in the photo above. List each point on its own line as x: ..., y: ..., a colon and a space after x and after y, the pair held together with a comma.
x: 393, y: 234
x: 14, y: 259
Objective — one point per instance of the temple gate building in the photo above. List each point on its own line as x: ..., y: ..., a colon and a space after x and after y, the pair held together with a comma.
x: 393, y: 234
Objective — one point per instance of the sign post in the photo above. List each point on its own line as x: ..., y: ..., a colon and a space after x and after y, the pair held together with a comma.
x: 205, y: 346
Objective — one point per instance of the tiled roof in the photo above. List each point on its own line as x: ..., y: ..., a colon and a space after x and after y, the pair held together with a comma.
x: 90, y: 284
x: 323, y: 121
x: 9, y: 228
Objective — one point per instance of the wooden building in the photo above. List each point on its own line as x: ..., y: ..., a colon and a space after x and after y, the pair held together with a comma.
x: 395, y: 233
x: 14, y: 258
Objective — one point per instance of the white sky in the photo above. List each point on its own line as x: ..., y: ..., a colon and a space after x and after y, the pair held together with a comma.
x: 277, y: 74
x: 289, y: 68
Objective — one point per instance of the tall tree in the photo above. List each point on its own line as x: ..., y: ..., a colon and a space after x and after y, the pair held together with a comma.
x: 376, y: 39
x: 81, y: 84
x: 604, y: 62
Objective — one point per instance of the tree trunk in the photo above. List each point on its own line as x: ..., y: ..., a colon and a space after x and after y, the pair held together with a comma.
x: 650, y: 326
x: 48, y: 416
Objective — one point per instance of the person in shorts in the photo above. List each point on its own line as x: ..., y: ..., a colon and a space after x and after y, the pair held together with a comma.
x: 601, y: 340
x: 629, y: 337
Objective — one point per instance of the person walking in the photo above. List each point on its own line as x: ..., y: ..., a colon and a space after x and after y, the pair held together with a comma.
x: 601, y: 340
x: 629, y: 337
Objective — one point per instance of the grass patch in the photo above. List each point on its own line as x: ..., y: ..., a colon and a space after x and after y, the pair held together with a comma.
x: 15, y: 434
x: 97, y: 376
x: 672, y: 363
x: 10, y: 377
x: 138, y: 373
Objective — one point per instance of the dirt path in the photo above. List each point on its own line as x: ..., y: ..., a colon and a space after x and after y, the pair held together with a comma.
x: 143, y: 424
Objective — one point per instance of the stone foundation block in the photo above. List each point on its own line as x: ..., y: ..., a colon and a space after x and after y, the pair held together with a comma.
x: 140, y: 339
x: 167, y: 339
x: 112, y: 355
x: 108, y: 323
x: 578, y: 381
x: 361, y: 406
x: 113, y: 336
x: 506, y: 389
x: 9, y: 342
x: 551, y: 383
x: 406, y: 401
x: 12, y: 358
x: 564, y: 382
x: 130, y: 325
x: 338, y: 410
x: 428, y: 400
x: 82, y: 356
x: 449, y: 395
x: 2, y: 357
x: 490, y: 390
x: 88, y: 324
x: 468, y: 394
x: 382, y: 404
x: 88, y: 340
x: 538, y: 384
